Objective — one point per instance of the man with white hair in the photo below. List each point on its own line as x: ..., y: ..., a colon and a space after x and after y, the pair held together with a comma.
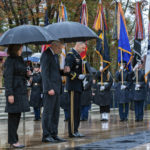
x: 51, y: 79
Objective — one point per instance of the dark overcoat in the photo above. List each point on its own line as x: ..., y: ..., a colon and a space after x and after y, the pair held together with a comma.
x: 123, y: 94
x: 86, y: 95
x: 140, y: 94
x: 104, y: 98
x: 15, y: 80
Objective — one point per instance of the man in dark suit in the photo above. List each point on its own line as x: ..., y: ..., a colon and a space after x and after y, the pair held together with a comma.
x: 51, y: 78
x: 75, y: 87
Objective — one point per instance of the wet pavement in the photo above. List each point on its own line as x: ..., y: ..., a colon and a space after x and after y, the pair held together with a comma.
x: 112, y: 135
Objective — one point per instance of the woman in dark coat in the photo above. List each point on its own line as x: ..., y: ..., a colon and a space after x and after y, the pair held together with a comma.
x: 36, y: 91
x: 15, y: 75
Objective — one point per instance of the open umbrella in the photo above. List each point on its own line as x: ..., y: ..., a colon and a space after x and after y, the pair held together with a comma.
x: 26, y: 34
x: 3, y: 54
x: 71, y: 31
x: 38, y: 55
x: 32, y: 59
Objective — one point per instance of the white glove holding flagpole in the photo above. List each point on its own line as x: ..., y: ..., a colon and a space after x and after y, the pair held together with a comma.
x: 121, y: 67
x: 101, y: 68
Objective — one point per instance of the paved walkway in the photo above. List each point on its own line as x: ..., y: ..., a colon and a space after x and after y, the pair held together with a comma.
x: 30, y: 134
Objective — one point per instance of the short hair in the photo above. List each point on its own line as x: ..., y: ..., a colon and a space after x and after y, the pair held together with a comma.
x: 80, y: 42
x: 13, y: 50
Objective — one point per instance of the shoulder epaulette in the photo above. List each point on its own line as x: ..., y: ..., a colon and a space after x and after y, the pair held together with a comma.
x: 70, y: 53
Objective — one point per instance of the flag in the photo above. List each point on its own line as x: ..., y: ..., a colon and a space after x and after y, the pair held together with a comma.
x: 62, y: 15
x: 84, y: 20
x: 46, y: 22
x: 147, y: 66
x: 124, y: 51
x: 62, y: 58
x: 139, y: 34
x: 102, y: 47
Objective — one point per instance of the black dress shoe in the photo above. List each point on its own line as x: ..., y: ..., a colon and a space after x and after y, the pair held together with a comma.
x: 58, y: 139
x: 126, y: 119
x: 121, y: 120
x: 140, y: 120
x: 49, y: 139
x: 136, y: 120
x: 79, y: 134
x: 17, y: 146
x: 72, y: 136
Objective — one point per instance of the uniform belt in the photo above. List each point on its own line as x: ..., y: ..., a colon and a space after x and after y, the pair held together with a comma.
x: 123, y: 81
x: 104, y: 83
x: 139, y: 82
x: 36, y: 84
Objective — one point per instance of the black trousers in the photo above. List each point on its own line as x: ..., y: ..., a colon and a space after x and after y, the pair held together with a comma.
x: 77, y: 106
x: 105, y: 109
x: 13, y: 123
x: 50, y: 117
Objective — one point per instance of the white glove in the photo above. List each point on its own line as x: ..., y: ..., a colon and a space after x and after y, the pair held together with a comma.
x: 84, y: 82
x: 121, y: 67
x: 41, y: 95
x: 81, y: 76
x: 138, y: 85
x: 123, y: 87
x: 101, y: 68
x: 102, y: 88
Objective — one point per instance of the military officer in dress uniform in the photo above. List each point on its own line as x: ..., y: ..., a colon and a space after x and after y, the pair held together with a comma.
x: 122, y: 77
x: 139, y: 91
x: 75, y: 87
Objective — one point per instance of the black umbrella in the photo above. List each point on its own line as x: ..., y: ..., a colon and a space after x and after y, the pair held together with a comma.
x: 71, y: 31
x: 26, y: 34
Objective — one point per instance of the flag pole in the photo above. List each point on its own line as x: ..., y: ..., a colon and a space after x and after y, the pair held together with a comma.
x: 122, y: 68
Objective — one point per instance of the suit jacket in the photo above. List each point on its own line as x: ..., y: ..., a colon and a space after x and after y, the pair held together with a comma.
x: 51, y: 76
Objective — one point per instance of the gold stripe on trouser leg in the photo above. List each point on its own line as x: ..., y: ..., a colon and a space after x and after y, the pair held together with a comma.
x: 72, y: 112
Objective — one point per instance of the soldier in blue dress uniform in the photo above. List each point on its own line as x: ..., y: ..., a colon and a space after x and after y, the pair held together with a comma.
x: 122, y: 77
x: 139, y: 92
x: 36, y: 91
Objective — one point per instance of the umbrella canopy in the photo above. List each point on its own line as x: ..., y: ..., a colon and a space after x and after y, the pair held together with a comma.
x: 26, y: 34
x: 3, y: 54
x: 38, y: 55
x: 32, y: 59
x: 71, y: 31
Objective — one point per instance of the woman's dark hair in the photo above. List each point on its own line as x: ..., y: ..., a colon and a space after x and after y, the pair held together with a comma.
x: 13, y: 50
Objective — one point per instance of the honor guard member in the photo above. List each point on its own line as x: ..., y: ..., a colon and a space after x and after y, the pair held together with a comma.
x: 86, y: 94
x: 75, y: 87
x: 104, y: 96
x: 122, y: 77
x: 36, y: 91
x: 139, y: 91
